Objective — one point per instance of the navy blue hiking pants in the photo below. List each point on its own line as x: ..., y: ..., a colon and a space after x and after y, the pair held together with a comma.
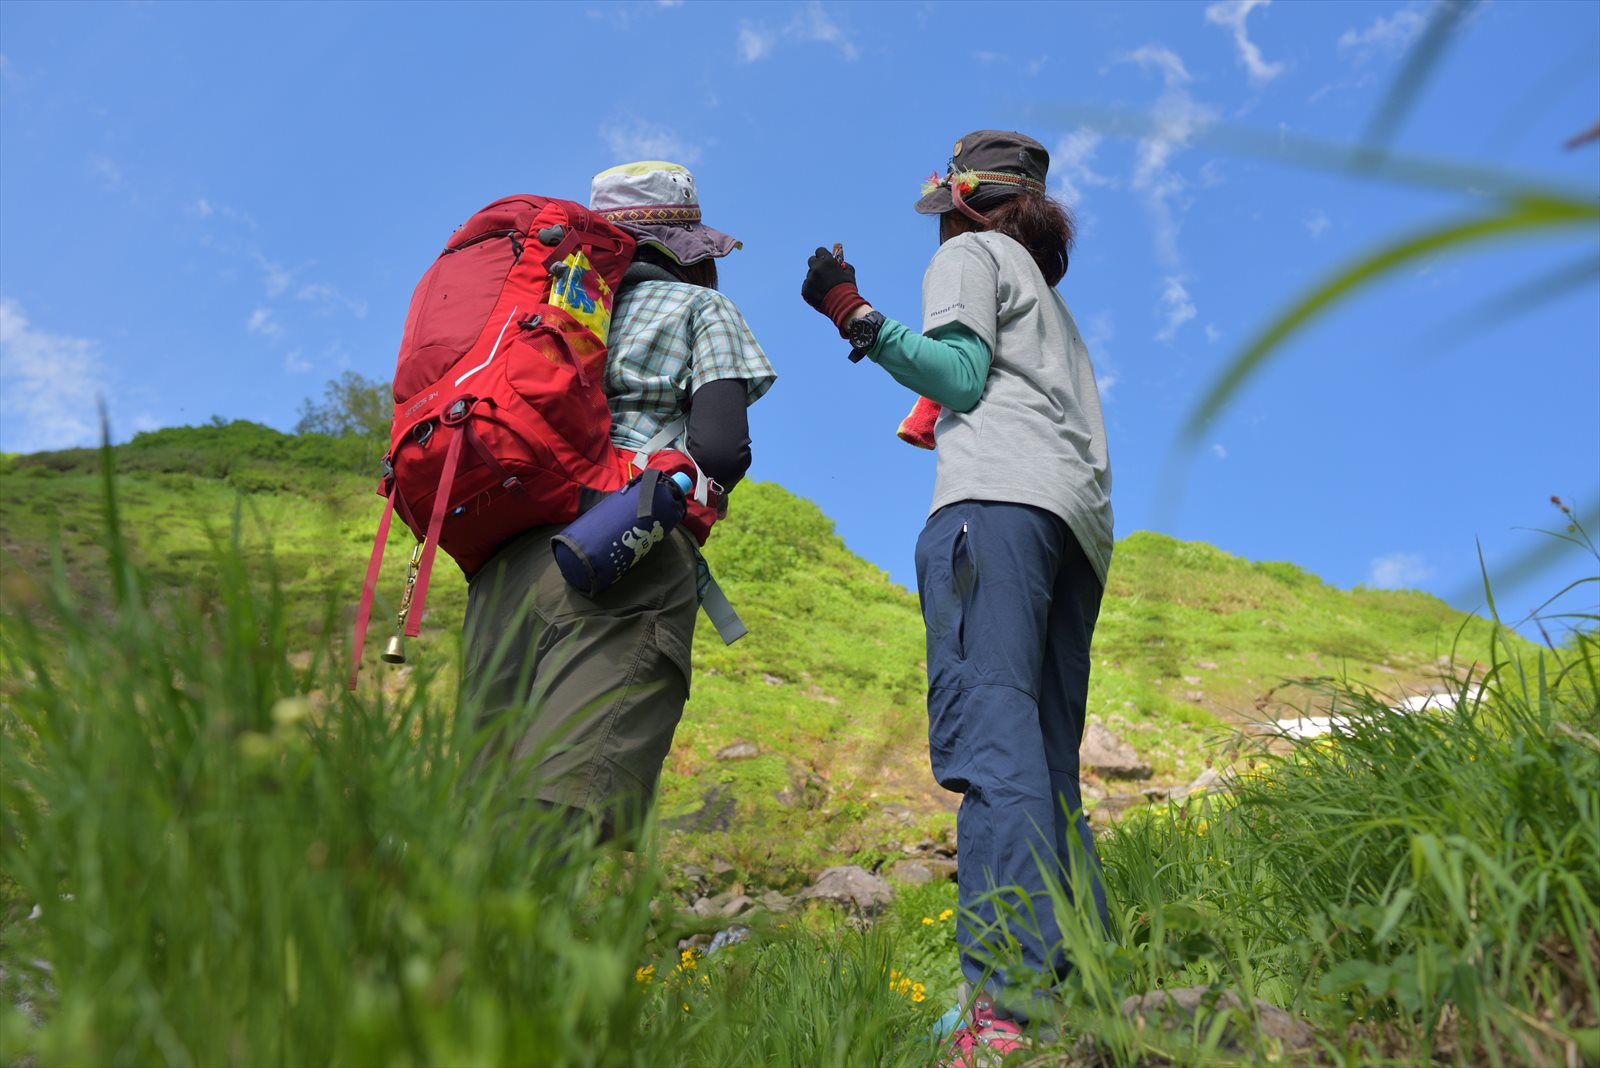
x: 1010, y: 603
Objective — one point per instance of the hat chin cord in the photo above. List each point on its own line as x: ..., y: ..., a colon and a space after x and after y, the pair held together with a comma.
x: 966, y: 209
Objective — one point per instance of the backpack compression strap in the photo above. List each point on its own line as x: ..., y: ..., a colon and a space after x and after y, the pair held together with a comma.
x: 718, y: 609
x: 364, y: 610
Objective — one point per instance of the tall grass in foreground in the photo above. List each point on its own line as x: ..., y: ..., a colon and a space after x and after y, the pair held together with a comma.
x: 235, y: 861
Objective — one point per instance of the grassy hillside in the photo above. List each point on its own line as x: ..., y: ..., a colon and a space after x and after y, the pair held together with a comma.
x: 212, y: 853
x: 828, y: 685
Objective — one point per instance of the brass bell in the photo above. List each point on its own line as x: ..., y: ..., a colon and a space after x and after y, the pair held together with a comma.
x: 395, y: 651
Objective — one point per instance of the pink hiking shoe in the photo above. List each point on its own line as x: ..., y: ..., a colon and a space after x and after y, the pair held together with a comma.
x: 983, y: 1040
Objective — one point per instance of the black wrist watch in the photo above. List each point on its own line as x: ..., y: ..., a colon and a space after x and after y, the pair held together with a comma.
x: 863, y: 334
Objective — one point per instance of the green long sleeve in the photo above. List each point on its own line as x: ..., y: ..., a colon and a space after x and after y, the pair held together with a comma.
x: 949, y: 365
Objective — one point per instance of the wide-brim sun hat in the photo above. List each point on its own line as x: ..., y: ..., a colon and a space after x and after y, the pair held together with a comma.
x: 986, y: 168
x: 658, y: 204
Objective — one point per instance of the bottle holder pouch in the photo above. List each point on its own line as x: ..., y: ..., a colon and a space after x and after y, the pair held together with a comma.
x: 603, y: 544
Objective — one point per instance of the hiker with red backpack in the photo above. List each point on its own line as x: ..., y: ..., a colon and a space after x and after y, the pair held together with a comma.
x: 553, y: 355
x: 1012, y: 562
x: 594, y: 686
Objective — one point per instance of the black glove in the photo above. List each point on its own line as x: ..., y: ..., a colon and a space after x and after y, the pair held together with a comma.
x: 822, y: 274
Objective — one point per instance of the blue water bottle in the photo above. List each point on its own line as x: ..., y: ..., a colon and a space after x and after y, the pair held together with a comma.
x: 604, y: 543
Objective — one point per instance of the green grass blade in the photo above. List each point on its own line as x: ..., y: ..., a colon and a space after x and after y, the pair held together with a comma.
x: 1309, y: 153
x: 1521, y: 299
x: 1446, y: 19
x: 1522, y: 218
x: 1536, y: 558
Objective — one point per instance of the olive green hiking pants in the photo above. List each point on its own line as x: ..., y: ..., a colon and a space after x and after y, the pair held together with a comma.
x: 581, y: 694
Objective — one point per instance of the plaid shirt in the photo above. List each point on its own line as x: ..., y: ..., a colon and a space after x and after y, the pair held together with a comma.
x: 667, y: 340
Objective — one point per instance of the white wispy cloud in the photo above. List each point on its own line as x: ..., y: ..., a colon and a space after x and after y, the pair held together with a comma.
x: 51, y: 384
x: 669, y: 3
x: 1162, y: 59
x: 327, y: 298
x: 1328, y: 89
x: 635, y: 138
x: 1231, y: 14
x: 207, y: 210
x: 295, y: 362
x: 755, y: 42
x: 1213, y: 335
x: 811, y: 24
x: 1176, y: 118
x: 1317, y: 224
x: 1098, y: 330
x: 1219, y: 450
x: 1030, y: 67
x: 1384, y: 35
x: 1398, y: 570
x: 275, y: 276
x: 262, y: 322
x: 1071, y: 162
x: 105, y: 169
x: 1176, y: 308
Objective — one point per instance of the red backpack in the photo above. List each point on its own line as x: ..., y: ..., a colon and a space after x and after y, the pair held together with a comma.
x: 500, y: 420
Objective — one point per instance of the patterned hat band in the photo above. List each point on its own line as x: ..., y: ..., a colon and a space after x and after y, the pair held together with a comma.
x: 969, y: 181
x: 654, y: 215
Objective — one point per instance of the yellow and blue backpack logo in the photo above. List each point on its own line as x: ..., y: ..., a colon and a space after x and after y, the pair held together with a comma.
x: 577, y: 288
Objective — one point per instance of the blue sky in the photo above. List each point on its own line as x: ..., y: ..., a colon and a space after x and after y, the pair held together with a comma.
x: 212, y: 209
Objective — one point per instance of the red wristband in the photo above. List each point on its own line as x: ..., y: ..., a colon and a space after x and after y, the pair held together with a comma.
x: 839, y: 302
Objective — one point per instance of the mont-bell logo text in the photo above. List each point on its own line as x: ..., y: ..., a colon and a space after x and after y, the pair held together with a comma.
x: 425, y: 400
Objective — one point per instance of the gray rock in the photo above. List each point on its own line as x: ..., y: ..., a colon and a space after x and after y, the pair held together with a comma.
x: 806, y: 790
x: 735, y: 906
x: 923, y: 870
x: 1206, y: 780
x: 850, y: 885
x: 738, y: 751
x: 910, y: 871
x: 1112, y: 808
x: 715, y: 813
x: 773, y: 901
x: 1109, y: 756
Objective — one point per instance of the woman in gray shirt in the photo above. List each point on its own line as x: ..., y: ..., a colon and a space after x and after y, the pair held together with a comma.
x: 1012, y: 562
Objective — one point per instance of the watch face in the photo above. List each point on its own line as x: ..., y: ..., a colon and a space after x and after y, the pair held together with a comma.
x: 863, y: 331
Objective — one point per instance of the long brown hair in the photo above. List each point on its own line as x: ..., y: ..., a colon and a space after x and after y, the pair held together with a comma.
x: 701, y: 273
x: 1039, y: 223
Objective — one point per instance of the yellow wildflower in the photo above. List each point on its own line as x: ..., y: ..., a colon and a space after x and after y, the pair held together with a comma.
x: 645, y: 974
x: 685, y: 1006
x: 919, y: 996
x: 927, y: 921
x: 946, y: 914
